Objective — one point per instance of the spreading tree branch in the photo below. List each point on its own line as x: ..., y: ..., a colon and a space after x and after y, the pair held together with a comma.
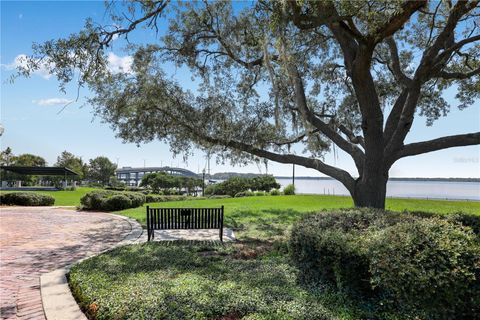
x: 397, y: 21
x: 395, y: 65
x: 459, y: 140
x: 309, y: 115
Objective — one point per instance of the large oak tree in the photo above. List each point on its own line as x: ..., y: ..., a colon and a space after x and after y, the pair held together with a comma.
x: 273, y: 75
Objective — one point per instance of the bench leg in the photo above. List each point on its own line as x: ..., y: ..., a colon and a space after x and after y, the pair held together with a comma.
x: 148, y: 234
x: 221, y: 234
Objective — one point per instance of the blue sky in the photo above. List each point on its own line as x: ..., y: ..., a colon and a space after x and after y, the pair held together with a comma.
x: 29, y: 108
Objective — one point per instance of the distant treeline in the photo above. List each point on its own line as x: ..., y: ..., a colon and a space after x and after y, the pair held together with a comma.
x: 227, y: 175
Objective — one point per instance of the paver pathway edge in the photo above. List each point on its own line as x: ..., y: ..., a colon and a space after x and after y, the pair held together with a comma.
x: 57, y: 299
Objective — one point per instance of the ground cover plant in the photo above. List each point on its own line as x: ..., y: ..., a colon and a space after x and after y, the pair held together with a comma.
x: 175, y: 281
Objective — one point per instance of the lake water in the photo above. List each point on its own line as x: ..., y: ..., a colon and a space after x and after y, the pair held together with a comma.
x: 397, y: 189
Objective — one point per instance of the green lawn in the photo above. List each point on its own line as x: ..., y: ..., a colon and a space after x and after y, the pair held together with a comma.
x: 269, y: 217
x: 65, y: 198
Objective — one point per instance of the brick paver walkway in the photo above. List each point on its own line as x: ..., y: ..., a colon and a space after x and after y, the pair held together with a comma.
x: 38, y: 240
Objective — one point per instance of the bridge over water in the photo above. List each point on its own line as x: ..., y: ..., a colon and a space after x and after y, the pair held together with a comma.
x: 133, y: 176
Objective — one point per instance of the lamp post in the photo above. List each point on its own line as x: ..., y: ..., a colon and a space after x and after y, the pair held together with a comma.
x: 203, y: 182
x: 293, y: 175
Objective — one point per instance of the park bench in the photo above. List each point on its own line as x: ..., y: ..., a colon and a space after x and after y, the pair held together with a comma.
x: 184, y: 218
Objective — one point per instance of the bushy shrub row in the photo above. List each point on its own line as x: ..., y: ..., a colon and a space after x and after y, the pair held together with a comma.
x: 159, y: 198
x: 220, y: 196
x: 107, y: 200
x: 418, y: 264
x: 236, y: 185
x: 26, y: 199
x: 244, y: 194
x: 248, y: 193
x: 275, y: 192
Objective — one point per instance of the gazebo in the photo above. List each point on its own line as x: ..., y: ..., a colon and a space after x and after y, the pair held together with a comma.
x: 38, y: 171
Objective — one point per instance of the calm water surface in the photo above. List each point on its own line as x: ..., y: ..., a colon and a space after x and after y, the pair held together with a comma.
x: 398, y: 189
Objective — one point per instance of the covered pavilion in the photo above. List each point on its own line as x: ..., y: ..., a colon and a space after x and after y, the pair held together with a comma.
x: 38, y: 171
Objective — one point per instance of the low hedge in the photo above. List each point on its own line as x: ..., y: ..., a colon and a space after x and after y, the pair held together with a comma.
x: 219, y: 196
x: 164, y: 198
x: 420, y: 265
x: 275, y: 192
x: 26, y: 199
x: 107, y: 200
x: 244, y: 194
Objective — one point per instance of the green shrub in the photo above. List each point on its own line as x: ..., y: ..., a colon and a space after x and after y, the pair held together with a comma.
x: 244, y: 194
x: 26, y: 199
x: 117, y: 202
x: 427, y: 264
x: 116, y: 188
x: 289, y: 190
x: 325, y: 248
x: 211, y: 190
x: 260, y: 193
x: 171, y: 192
x: 275, y: 192
x: 420, y: 265
x: 236, y: 185
x: 264, y: 183
x: 159, y: 198
x: 219, y: 196
x: 107, y: 200
x: 467, y: 220
x: 95, y: 185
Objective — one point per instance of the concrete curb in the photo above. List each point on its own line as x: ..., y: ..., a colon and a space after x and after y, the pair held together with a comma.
x: 57, y: 299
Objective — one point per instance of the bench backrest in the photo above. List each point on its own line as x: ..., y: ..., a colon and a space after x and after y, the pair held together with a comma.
x: 184, y: 218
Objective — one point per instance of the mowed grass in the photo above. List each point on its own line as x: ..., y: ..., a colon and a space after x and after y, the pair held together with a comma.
x: 305, y: 203
x: 270, y: 217
x: 64, y: 198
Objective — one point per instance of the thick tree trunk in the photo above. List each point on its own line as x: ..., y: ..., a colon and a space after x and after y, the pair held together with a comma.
x: 370, y: 191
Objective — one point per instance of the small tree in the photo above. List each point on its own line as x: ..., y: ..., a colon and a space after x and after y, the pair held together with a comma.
x: 101, y: 169
x: 22, y: 160
x: 70, y: 161
x: 272, y: 75
x: 6, y: 157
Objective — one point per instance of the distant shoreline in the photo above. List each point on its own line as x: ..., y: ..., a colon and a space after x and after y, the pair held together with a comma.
x: 392, y: 179
x: 227, y: 175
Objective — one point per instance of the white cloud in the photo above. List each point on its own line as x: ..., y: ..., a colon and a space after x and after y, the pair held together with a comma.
x: 52, y: 102
x: 119, y: 64
x: 21, y: 61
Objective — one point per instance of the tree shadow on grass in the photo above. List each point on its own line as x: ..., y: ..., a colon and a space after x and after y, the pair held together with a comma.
x: 254, y: 284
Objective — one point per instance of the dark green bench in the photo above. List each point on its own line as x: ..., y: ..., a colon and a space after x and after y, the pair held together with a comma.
x: 184, y: 218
